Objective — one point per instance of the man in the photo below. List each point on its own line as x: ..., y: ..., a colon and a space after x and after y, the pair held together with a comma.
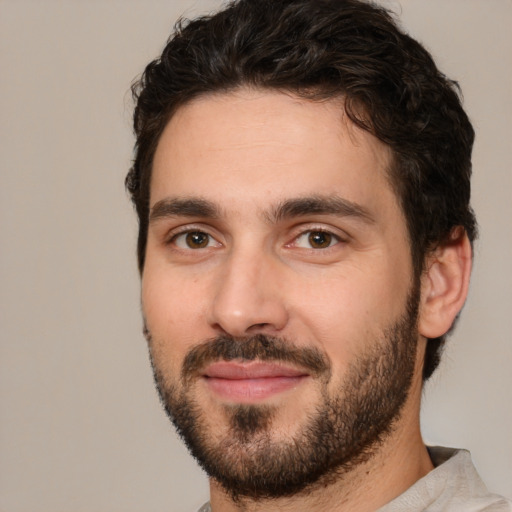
x: 301, y: 178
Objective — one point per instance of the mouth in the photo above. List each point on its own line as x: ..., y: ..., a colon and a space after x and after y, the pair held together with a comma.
x: 251, y: 382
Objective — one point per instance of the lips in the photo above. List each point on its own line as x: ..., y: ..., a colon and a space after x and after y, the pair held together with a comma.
x: 251, y: 382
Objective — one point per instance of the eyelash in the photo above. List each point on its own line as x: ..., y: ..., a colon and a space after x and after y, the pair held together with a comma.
x: 333, y: 239
x: 172, y: 240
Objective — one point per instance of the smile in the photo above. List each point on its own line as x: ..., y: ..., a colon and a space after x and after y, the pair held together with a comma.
x: 251, y: 382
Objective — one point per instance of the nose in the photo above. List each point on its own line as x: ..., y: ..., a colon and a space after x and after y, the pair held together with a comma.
x: 248, y: 297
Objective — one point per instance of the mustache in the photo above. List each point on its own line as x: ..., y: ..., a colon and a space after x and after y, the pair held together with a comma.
x: 259, y: 347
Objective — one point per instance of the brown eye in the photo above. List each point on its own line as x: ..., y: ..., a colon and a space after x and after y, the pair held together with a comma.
x: 319, y: 239
x: 197, y: 240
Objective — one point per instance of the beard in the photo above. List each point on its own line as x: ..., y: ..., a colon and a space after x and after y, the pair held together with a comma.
x: 343, y: 430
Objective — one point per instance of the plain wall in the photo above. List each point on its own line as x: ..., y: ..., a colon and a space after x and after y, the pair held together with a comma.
x: 81, y: 427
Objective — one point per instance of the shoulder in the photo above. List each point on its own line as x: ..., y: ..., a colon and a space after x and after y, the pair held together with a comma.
x: 452, y: 486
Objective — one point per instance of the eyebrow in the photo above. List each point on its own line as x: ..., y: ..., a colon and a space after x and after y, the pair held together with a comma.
x: 176, y: 207
x: 320, y: 205
x: 288, y: 209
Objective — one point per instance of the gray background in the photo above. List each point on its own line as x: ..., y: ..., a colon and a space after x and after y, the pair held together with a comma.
x: 81, y: 427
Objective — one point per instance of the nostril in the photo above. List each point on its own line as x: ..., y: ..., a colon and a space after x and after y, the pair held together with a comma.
x: 257, y: 326
x: 261, y: 328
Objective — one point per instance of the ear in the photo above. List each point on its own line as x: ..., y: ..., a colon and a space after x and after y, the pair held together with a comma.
x: 444, y: 285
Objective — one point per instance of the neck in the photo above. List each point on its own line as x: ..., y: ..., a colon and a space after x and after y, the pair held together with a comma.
x: 365, y: 489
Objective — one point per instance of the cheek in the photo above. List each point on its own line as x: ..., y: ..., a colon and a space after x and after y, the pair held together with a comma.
x: 347, y: 312
x: 174, y: 313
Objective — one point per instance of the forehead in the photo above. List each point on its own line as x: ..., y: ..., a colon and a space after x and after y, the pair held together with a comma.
x: 263, y: 146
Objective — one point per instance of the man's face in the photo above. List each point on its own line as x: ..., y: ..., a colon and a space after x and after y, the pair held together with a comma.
x: 278, y: 290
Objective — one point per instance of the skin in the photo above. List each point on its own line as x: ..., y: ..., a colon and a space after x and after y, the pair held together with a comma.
x: 245, y: 153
